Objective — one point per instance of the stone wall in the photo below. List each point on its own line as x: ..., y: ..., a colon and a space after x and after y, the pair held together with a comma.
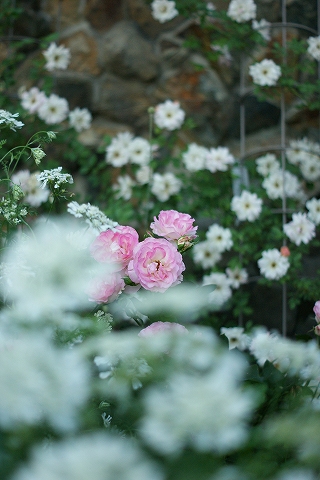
x: 123, y: 61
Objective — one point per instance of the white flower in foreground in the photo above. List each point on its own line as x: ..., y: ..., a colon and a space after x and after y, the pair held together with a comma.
x: 247, y: 206
x: 221, y: 238
x: 236, y: 337
x: 139, y: 151
x: 242, y: 10
x: 314, y: 47
x: 53, y: 110
x: 262, y: 346
x: 205, y: 254
x: 222, y: 291
x: 34, y: 194
x: 265, y: 73
x: 263, y: 27
x: 32, y: 99
x: 205, y: 412
x: 194, y: 158
x: 267, y: 164
x: 123, y: 187
x: 163, y: 186
x: 218, y: 159
x: 57, y: 57
x: 313, y: 206
x: 272, y: 264
x: 237, y: 276
x: 50, y: 384
x: 54, y: 178
x: 80, y: 119
x: 169, y: 115
x: 96, y: 219
x: 164, y: 10
x: 273, y: 184
x: 300, y: 229
x: 9, y: 119
x: 98, y: 456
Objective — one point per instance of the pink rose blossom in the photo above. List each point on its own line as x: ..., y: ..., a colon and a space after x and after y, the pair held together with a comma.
x: 316, y: 310
x: 115, y: 247
x: 157, y: 327
x: 103, y: 290
x: 172, y: 225
x: 156, y: 265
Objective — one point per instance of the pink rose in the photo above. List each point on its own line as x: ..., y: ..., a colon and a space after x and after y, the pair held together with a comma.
x: 103, y: 290
x: 162, y: 327
x: 316, y: 310
x: 115, y: 247
x: 156, y: 265
x: 172, y: 225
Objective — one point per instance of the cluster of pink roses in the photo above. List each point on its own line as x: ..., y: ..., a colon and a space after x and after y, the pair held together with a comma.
x: 154, y: 264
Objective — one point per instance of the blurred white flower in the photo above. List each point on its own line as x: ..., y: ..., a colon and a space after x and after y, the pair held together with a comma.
x: 123, y: 187
x: 310, y: 167
x: 299, y: 150
x: 169, y: 115
x: 273, y: 184
x: 242, y: 10
x: 247, y: 206
x: 164, y: 10
x: 97, y: 456
x: 9, y: 119
x: 165, y: 185
x: 32, y: 99
x: 263, y: 27
x: 220, y: 237
x: 267, y: 164
x: 53, y: 110
x: 272, y: 264
x: 314, y: 47
x: 144, y: 174
x: 237, y: 276
x: 218, y: 159
x: 313, y: 206
x: 80, y: 119
x: 50, y: 384
x: 57, y: 57
x: 117, y: 153
x: 205, y: 254
x: 194, y: 158
x: 236, y: 337
x: 34, y: 194
x: 222, y: 292
x: 265, y: 73
x: 139, y: 151
x: 300, y: 229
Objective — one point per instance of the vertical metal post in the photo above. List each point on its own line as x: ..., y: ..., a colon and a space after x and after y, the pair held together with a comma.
x: 283, y: 159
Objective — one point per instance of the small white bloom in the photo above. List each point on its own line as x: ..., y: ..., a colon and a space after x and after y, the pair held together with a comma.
x: 96, y: 219
x: 222, y: 291
x: 205, y: 254
x: 57, y: 57
x: 247, y: 206
x: 169, y: 115
x: 273, y: 184
x: 123, y: 187
x: 262, y: 346
x: 237, y: 276
x: 163, y: 186
x: 139, y: 151
x: 117, y: 153
x: 300, y: 150
x: 34, y: 194
x: 143, y: 175
x: 194, y: 158
x: 32, y: 99
x: 221, y: 238
x: 267, y: 164
x: 236, y: 337
x: 272, y: 264
x: 263, y: 27
x: 9, y: 119
x: 300, y: 229
x: 310, y: 167
x: 242, y: 10
x: 164, y: 10
x: 53, y: 110
x: 218, y: 159
x: 54, y: 178
x: 265, y: 73
x: 314, y: 47
x: 313, y: 206
x: 80, y: 119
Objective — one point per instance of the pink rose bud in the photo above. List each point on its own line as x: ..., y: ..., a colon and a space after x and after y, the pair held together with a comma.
x: 156, y: 265
x: 316, y: 310
x: 285, y: 252
x: 115, y: 247
x: 172, y: 225
x: 157, y: 327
